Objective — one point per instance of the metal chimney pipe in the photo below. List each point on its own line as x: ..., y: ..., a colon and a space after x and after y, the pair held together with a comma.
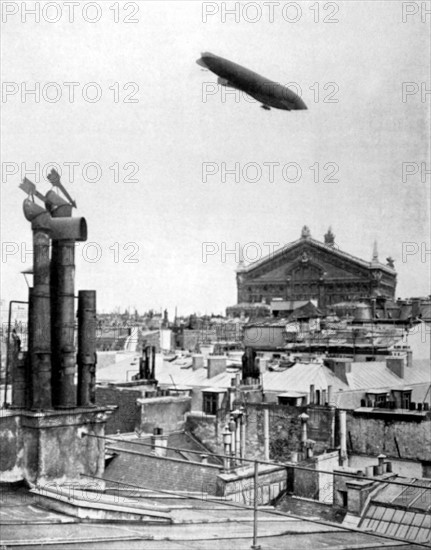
x: 303, y: 417
x: 343, y: 440
x: 87, y: 356
x: 153, y: 363
x: 64, y: 232
x: 29, y: 381
x: 63, y: 322
x: 266, y: 434
x: 141, y: 368
x: 40, y: 319
x: 62, y: 309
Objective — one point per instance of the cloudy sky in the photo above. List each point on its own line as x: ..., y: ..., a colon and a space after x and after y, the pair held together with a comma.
x: 153, y: 144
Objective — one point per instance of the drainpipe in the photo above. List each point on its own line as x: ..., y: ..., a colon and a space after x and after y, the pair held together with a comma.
x: 153, y: 362
x: 29, y: 381
x: 238, y: 440
x: 242, y: 420
x: 266, y: 434
x: 40, y: 320
x: 232, y: 428
x: 343, y: 443
x: 8, y: 357
x: 87, y: 356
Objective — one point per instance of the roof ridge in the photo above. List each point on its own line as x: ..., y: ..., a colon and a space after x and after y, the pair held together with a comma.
x: 320, y: 244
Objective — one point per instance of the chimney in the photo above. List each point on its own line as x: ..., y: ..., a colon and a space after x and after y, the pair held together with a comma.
x: 343, y: 441
x: 409, y: 358
x: 324, y: 401
x: 396, y: 365
x: 330, y: 396
x: 303, y: 417
x: 416, y: 302
x: 341, y: 369
x: 380, y: 467
x: 311, y: 394
x: 87, y: 356
x: 216, y: 365
x: 369, y: 471
x: 65, y: 231
x: 40, y: 318
x: 159, y: 442
x: 198, y: 361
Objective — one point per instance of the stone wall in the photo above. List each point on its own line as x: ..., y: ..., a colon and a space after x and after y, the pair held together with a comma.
x: 371, y: 435
x: 11, y: 445
x: 316, y: 484
x: 155, y: 472
x: 126, y: 417
x: 285, y: 429
x: 163, y: 412
x: 207, y: 429
x: 41, y: 447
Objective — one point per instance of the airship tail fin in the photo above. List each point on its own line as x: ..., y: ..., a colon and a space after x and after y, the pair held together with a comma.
x: 202, y: 63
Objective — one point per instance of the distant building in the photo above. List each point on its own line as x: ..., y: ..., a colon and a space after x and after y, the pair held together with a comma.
x: 310, y: 270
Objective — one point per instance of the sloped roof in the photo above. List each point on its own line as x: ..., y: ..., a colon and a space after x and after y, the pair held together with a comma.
x: 319, y: 245
x: 399, y: 511
x: 289, y: 305
x: 305, y: 312
x: 178, y: 440
x: 300, y: 377
x: 371, y: 374
x: 296, y: 378
x: 375, y: 374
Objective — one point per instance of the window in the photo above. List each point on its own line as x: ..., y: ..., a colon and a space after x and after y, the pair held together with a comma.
x: 405, y: 400
x: 381, y: 400
x: 210, y: 403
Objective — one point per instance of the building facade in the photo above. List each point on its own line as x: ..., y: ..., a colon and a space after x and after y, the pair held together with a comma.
x: 308, y: 269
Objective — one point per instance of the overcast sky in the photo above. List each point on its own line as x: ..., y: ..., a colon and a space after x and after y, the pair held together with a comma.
x: 177, y: 127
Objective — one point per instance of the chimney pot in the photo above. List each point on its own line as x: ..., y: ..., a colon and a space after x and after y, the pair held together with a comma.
x: 159, y: 442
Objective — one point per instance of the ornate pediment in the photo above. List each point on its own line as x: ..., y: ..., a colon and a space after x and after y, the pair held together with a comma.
x: 313, y: 261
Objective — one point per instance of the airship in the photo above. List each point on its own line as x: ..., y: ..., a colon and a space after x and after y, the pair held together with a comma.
x: 265, y: 91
